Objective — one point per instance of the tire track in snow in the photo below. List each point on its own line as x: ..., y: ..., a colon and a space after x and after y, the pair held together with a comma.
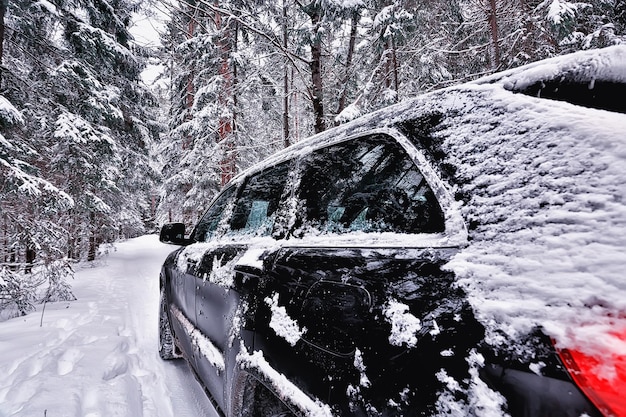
x: 97, y: 356
x: 195, y: 402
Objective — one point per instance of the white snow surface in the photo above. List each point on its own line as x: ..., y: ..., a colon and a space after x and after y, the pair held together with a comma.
x: 206, y: 347
x: 8, y: 112
x: 482, y: 400
x: 608, y: 64
x: 282, y: 324
x: 98, y: 356
x: 559, y: 10
x: 549, y: 248
x: 285, y: 388
x: 404, y: 325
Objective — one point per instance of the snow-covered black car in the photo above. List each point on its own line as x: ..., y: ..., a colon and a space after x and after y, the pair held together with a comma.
x: 458, y: 254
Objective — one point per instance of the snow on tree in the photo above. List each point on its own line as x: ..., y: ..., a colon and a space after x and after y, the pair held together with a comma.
x: 75, y: 132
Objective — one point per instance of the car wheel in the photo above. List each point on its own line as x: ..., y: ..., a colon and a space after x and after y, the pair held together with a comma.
x: 167, y: 347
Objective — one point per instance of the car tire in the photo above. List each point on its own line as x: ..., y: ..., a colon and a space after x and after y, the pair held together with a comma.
x: 167, y: 346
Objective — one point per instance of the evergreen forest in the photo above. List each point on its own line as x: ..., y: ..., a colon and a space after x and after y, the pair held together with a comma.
x: 90, y: 153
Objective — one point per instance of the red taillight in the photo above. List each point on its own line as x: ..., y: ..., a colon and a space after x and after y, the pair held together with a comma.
x: 601, y: 378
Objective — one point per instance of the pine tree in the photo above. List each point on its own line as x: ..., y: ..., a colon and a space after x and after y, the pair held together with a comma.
x: 212, y: 53
x: 576, y: 25
x: 76, y: 138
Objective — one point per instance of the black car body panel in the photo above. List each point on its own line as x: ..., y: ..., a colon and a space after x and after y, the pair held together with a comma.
x: 349, y: 307
x: 350, y: 275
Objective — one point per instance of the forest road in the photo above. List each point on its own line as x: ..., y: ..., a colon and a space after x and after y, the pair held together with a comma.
x: 98, y: 356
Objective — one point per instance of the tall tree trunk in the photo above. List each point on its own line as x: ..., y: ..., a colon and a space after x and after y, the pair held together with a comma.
x: 493, y: 25
x: 225, y: 123
x: 71, y: 245
x: 391, y: 77
x: 394, y: 68
x: 4, y: 254
x: 234, y: 94
x: 93, y: 240
x: 31, y: 254
x: 351, y: 46
x: 316, y: 71
x: 13, y: 259
x: 189, y: 88
x: 286, y: 133
x: 4, y: 4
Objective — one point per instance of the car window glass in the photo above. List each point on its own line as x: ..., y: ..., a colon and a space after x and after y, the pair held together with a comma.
x: 214, y: 221
x: 367, y: 184
x: 255, y: 208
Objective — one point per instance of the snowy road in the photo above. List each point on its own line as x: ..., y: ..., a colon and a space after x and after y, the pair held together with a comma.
x: 97, y: 356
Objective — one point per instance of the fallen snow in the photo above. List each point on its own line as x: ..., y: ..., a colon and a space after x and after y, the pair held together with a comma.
x: 351, y: 112
x: 286, y: 389
x: 404, y: 325
x: 591, y: 65
x: 560, y: 11
x: 207, y: 349
x: 8, y: 113
x: 481, y: 400
x: 548, y: 247
x: 360, y: 366
x: 282, y: 324
x: 98, y: 356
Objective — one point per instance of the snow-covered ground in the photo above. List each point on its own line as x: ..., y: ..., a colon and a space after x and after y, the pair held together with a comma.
x: 97, y: 356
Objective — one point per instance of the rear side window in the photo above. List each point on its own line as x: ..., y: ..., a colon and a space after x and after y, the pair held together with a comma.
x: 214, y: 221
x: 255, y: 209
x: 366, y: 184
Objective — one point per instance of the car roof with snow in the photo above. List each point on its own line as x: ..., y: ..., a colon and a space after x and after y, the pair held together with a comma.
x: 540, y: 184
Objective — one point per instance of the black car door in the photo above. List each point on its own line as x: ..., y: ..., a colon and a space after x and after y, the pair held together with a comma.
x: 195, y: 267
x: 251, y: 218
x: 184, y: 267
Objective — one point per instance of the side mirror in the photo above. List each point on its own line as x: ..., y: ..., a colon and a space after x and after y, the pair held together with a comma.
x: 173, y: 233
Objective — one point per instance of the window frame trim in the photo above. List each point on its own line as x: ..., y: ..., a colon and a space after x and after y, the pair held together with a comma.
x: 236, y: 185
x: 455, y: 231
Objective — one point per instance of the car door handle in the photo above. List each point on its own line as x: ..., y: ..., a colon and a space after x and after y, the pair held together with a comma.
x: 247, y: 277
x: 248, y: 270
x: 191, y: 263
